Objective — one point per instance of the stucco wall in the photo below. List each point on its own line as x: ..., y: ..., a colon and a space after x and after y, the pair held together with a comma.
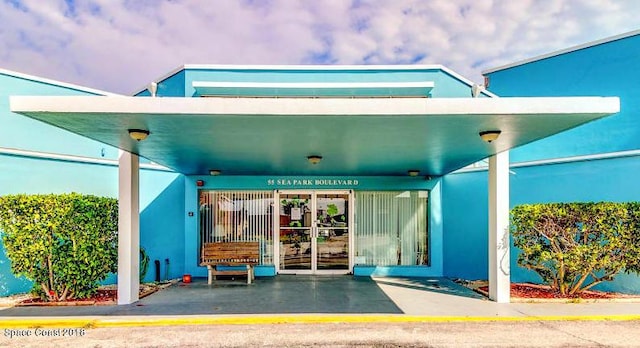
x: 161, y: 196
x: 465, y: 198
x: 161, y: 205
x: 610, y: 69
x: 446, y: 86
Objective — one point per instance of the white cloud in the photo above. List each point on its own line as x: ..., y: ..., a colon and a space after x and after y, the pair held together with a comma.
x: 121, y: 45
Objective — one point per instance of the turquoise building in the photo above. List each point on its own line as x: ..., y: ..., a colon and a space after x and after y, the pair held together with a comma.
x: 38, y: 158
x: 595, y: 162
x: 365, y: 170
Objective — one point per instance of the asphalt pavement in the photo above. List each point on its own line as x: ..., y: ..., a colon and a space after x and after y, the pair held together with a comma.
x: 327, y: 312
x: 435, y: 334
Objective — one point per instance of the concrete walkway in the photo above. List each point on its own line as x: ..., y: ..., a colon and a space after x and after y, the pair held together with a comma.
x: 304, y: 299
x: 443, y: 297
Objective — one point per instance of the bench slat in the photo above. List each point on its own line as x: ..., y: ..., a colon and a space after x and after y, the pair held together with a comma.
x: 230, y: 254
x: 230, y: 272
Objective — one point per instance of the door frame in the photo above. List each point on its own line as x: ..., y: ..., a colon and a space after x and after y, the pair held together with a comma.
x: 314, y: 230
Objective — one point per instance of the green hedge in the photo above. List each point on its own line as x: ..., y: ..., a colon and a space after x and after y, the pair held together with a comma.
x: 575, y: 246
x: 64, y: 243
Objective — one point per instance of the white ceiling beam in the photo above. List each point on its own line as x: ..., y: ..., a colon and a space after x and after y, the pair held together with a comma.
x: 316, y: 106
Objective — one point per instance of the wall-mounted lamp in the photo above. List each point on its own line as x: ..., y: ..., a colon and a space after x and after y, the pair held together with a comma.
x: 215, y: 172
x: 138, y: 134
x: 314, y: 159
x: 153, y: 88
x: 490, y: 136
x: 413, y: 172
x: 476, y: 90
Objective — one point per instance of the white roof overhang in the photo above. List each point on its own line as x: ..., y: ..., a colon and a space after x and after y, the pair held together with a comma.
x: 273, y: 136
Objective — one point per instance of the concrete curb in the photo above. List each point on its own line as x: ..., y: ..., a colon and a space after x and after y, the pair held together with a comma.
x: 105, y: 322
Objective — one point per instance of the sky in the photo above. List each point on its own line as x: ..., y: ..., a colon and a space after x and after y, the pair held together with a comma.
x: 122, y: 45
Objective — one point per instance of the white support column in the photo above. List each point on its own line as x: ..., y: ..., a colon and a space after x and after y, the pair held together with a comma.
x: 128, y: 228
x: 499, y: 258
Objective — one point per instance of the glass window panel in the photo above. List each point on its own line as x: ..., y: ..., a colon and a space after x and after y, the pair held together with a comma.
x: 391, y: 228
x: 238, y: 216
x: 332, y: 216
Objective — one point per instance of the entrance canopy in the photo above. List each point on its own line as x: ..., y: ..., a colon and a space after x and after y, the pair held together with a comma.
x: 354, y: 136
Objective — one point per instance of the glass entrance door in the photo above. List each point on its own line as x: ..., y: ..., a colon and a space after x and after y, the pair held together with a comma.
x: 295, y: 231
x: 314, y: 232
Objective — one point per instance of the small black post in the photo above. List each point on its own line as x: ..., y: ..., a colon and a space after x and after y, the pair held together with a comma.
x: 157, y: 262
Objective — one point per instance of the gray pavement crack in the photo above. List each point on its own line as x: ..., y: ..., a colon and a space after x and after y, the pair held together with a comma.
x: 549, y: 324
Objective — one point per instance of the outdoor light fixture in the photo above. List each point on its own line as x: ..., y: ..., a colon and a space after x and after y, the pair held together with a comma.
x: 138, y: 134
x: 476, y: 89
x: 215, y: 172
x: 413, y: 172
x: 314, y: 159
x: 153, y: 88
x: 490, y: 136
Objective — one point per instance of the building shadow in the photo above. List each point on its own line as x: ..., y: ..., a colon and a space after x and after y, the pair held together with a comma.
x: 284, y: 294
x: 430, y: 284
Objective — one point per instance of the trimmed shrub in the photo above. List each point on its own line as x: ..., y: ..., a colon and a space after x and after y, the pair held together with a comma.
x: 144, y: 264
x: 64, y: 243
x: 575, y: 246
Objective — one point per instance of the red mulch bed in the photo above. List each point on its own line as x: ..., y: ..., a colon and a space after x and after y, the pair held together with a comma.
x: 104, y: 296
x: 526, y: 290
x: 101, y: 297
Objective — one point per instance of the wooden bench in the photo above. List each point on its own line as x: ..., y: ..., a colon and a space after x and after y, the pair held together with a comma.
x: 230, y: 254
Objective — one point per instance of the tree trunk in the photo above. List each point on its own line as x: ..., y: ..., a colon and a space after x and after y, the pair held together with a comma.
x: 51, y: 280
x: 45, y: 288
